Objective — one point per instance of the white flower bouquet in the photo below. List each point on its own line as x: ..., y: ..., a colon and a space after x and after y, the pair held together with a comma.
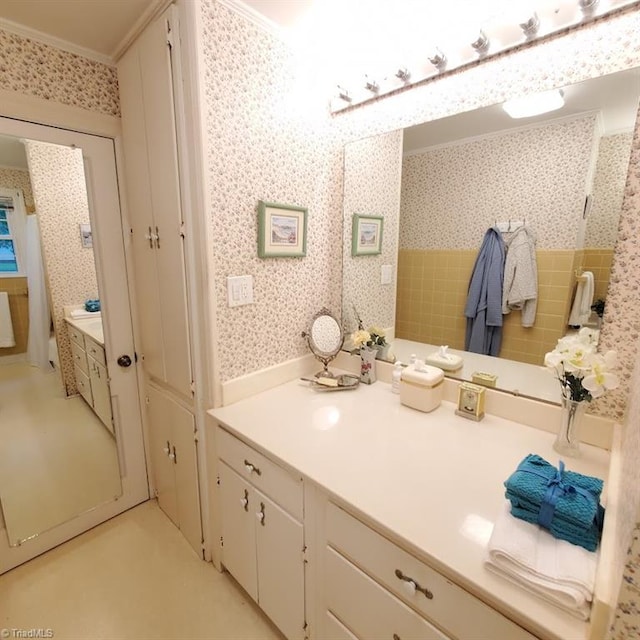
x: 583, y: 373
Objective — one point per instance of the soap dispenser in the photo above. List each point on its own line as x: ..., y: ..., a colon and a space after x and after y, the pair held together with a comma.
x: 396, y: 374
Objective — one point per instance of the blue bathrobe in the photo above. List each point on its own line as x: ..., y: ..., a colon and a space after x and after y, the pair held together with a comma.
x: 484, y: 300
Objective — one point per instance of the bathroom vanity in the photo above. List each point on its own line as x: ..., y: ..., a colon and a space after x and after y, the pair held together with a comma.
x: 380, y: 515
x: 90, y: 366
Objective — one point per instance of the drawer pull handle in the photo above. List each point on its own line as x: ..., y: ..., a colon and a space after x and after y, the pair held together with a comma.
x: 260, y: 514
x: 251, y: 468
x: 396, y: 636
x: 245, y: 501
x: 412, y: 586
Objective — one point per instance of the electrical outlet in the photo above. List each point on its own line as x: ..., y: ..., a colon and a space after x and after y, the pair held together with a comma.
x: 239, y: 290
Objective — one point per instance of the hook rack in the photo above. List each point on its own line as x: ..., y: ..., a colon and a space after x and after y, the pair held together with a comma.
x: 510, y: 225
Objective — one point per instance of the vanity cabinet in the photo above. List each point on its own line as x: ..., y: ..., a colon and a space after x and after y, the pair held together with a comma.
x: 173, y: 453
x: 375, y: 588
x: 90, y: 369
x: 262, y: 532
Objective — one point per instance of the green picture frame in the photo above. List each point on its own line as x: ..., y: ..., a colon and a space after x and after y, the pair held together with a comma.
x: 282, y: 230
x: 366, y: 235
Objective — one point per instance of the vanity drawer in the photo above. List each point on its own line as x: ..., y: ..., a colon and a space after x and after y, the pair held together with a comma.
x: 278, y: 484
x: 84, y: 385
x: 381, y: 559
x: 75, y: 335
x: 335, y: 630
x: 368, y: 609
x: 79, y: 357
x: 95, y: 350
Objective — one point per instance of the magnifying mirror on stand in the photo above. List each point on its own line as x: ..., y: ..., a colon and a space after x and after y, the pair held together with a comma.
x: 325, y: 338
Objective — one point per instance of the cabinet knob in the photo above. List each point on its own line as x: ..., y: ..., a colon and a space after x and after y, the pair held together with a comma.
x: 252, y: 468
x: 245, y: 501
x: 411, y: 586
x: 260, y: 514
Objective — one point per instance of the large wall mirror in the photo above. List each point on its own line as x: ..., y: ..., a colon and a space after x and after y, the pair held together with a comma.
x: 59, y: 454
x: 442, y: 184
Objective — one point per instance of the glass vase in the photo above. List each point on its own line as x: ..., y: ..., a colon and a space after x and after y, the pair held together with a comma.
x: 368, y: 364
x: 568, y: 438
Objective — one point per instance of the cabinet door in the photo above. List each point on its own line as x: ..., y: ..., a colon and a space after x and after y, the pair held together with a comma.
x: 153, y: 190
x: 279, y: 547
x: 157, y: 90
x: 100, y: 391
x: 139, y: 213
x: 238, y: 506
x: 183, y: 448
x: 159, y: 413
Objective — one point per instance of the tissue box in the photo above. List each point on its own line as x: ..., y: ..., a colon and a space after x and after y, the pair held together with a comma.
x: 422, y: 388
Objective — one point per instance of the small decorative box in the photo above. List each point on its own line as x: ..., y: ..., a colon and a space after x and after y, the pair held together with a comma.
x: 421, y: 388
x: 485, y: 379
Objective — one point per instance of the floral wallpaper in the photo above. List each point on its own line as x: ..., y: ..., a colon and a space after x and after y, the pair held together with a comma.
x: 57, y: 176
x: 626, y: 623
x: 372, y: 175
x: 451, y: 195
x: 608, y: 190
x: 261, y: 145
x: 12, y: 178
x: 40, y: 70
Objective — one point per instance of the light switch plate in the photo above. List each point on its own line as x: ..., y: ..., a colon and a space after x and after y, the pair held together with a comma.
x: 386, y: 274
x: 239, y: 290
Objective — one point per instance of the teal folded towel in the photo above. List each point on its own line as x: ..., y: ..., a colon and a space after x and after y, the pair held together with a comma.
x: 564, y: 502
x: 586, y: 538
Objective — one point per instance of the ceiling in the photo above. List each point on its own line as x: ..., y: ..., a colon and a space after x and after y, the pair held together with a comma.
x: 101, y: 26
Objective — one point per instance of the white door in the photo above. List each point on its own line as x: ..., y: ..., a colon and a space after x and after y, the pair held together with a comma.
x: 111, y: 250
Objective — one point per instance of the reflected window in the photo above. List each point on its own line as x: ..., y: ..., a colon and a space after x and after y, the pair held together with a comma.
x: 8, y: 257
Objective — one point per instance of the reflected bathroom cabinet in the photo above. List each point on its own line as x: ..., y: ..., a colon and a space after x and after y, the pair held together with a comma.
x: 146, y: 77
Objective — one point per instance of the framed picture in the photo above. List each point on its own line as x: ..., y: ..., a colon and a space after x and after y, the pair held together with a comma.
x: 366, y: 235
x: 85, y: 235
x: 282, y: 230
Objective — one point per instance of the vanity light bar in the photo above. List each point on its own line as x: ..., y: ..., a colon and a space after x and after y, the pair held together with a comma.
x: 491, y: 39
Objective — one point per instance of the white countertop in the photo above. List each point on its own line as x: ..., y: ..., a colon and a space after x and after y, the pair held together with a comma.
x: 433, y: 481
x: 89, y: 326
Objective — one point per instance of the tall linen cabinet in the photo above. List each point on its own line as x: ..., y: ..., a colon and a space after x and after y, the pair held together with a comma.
x: 149, y: 90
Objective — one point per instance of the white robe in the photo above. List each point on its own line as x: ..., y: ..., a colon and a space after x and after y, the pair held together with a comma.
x: 520, y: 288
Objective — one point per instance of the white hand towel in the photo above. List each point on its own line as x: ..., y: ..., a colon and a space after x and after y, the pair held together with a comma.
x: 581, y: 309
x: 556, y: 570
x: 7, y: 338
x: 81, y: 313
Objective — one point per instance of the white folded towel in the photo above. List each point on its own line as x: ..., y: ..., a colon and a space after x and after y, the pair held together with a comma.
x: 581, y: 309
x: 81, y: 313
x: 7, y: 338
x: 556, y: 570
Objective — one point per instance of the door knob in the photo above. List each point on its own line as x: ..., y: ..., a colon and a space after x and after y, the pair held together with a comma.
x: 124, y: 361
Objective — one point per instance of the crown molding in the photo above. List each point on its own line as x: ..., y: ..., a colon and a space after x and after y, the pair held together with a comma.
x: 148, y: 16
x: 52, y: 41
x: 244, y: 10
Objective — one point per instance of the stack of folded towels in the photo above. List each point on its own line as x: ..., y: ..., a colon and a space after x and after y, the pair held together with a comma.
x: 546, y: 538
x: 564, y: 502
